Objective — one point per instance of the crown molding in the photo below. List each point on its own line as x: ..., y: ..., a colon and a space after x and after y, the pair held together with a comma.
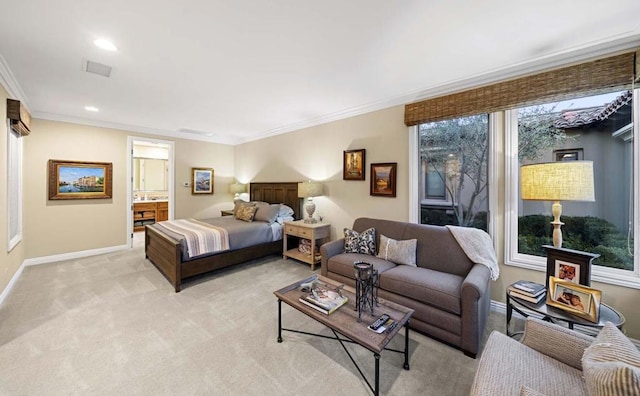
x: 9, y: 82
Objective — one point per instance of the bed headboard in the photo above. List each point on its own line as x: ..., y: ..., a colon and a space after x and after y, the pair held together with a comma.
x: 286, y: 193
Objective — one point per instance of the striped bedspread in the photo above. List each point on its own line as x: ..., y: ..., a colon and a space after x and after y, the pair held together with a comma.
x: 201, y: 238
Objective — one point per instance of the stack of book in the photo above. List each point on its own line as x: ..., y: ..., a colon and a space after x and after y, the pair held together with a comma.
x: 324, y: 299
x: 528, y: 291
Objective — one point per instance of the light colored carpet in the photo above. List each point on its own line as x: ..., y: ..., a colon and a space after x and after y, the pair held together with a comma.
x: 111, y: 324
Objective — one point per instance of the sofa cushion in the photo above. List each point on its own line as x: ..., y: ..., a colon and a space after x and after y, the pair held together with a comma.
x: 343, y: 263
x: 399, y: 252
x: 360, y: 242
x: 438, y: 289
x: 611, y: 365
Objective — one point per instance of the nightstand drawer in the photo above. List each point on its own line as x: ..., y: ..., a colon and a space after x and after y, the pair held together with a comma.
x: 298, y: 231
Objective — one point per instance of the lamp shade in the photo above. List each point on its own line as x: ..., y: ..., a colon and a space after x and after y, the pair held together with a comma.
x: 557, y: 181
x: 309, y: 189
x: 237, y: 188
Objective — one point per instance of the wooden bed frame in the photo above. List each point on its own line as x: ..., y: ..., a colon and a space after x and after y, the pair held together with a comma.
x: 164, y: 252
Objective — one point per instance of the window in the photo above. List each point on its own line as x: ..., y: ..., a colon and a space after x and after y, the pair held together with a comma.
x: 454, y: 155
x: 14, y: 188
x: 602, y: 127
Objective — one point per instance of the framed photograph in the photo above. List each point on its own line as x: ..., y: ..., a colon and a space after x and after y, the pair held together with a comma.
x: 201, y: 181
x: 80, y: 180
x: 383, y: 179
x: 353, y: 164
x: 569, y: 265
x: 576, y: 299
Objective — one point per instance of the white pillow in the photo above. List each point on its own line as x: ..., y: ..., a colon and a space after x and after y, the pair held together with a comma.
x: 285, y: 211
x: 282, y: 219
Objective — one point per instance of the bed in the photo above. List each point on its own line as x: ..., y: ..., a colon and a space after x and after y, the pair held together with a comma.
x: 166, y: 252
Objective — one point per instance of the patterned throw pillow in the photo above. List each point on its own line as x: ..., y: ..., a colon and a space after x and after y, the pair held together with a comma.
x: 246, y: 213
x: 611, y: 365
x: 355, y: 242
x: 239, y: 203
x: 399, y: 252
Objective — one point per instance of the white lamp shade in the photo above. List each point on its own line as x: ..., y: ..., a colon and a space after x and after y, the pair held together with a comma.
x: 309, y: 189
x: 557, y: 181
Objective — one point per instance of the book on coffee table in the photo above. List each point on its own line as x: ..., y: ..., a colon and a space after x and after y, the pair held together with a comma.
x: 324, y: 299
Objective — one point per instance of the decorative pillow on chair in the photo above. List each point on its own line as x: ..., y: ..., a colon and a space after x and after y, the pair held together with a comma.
x: 364, y: 242
x: 246, y: 213
x: 399, y: 252
x: 611, y: 365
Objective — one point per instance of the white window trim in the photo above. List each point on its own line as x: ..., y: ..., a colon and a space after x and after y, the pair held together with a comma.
x: 612, y: 276
x: 14, y: 164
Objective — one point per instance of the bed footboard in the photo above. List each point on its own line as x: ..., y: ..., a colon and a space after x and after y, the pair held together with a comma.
x: 164, y: 253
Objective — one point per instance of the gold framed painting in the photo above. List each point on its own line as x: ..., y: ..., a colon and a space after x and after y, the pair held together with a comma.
x: 80, y: 180
x: 576, y: 299
x: 353, y: 164
x: 201, y: 181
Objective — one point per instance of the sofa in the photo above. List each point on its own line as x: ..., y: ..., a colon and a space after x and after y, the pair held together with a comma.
x: 553, y: 360
x: 448, y: 291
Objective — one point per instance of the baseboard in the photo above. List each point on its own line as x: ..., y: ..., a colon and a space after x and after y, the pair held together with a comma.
x: 500, y: 307
x: 11, y: 283
x: 73, y: 255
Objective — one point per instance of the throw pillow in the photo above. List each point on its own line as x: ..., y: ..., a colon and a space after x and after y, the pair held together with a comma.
x: 266, y: 212
x: 611, y: 365
x: 399, y: 252
x: 239, y: 203
x: 246, y: 213
x: 364, y: 242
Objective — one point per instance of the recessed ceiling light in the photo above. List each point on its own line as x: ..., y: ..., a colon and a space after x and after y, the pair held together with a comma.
x: 105, y: 44
x: 91, y: 108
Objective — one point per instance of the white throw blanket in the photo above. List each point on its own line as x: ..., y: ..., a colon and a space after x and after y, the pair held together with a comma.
x: 478, y: 246
x: 200, y: 237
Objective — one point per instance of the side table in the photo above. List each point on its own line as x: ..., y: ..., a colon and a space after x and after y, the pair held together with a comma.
x: 311, y: 231
x: 227, y: 212
x: 553, y: 314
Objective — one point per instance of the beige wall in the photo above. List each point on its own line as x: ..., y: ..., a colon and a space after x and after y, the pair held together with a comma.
x: 316, y: 154
x: 57, y: 227
x: 9, y: 261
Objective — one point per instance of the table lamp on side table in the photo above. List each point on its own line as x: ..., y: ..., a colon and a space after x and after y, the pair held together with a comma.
x: 309, y: 190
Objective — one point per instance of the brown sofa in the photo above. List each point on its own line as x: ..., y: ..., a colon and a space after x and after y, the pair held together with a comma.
x: 449, y: 293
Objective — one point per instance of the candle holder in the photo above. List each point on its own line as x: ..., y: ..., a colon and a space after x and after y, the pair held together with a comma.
x: 366, y: 287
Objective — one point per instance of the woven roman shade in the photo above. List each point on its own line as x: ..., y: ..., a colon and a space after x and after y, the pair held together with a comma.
x: 590, y: 78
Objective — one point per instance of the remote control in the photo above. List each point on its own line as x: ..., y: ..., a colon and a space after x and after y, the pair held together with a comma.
x: 379, y: 322
x: 391, y: 327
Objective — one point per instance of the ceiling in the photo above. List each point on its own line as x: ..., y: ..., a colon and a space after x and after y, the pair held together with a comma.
x: 235, y: 71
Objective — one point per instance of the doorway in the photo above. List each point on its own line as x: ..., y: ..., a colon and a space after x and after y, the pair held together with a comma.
x: 150, y: 190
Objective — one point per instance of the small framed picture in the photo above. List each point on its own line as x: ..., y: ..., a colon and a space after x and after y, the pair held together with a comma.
x: 383, y: 179
x: 576, y: 299
x: 569, y: 265
x: 201, y: 181
x: 353, y: 164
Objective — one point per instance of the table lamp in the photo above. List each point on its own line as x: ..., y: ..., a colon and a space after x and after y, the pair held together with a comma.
x: 309, y: 190
x: 557, y: 181
x: 237, y: 189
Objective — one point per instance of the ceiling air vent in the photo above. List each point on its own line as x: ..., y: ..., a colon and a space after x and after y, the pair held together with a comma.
x: 98, y: 68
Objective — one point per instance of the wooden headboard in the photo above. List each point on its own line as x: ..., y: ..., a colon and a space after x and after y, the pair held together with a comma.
x: 286, y: 193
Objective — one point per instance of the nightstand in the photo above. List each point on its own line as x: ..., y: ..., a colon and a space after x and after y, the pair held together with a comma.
x: 312, y: 231
x: 228, y: 212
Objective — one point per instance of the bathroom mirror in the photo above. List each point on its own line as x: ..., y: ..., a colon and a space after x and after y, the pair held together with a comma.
x: 150, y: 174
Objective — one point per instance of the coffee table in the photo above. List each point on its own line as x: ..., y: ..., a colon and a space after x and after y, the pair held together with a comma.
x: 345, y: 322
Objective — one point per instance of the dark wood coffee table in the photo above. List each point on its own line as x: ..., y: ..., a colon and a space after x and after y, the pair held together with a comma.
x: 344, y: 321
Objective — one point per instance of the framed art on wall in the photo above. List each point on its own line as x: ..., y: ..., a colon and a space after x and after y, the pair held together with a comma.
x: 353, y: 164
x: 383, y: 179
x: 569, y: 265
x: 201, y: 181
x: 80, y: 180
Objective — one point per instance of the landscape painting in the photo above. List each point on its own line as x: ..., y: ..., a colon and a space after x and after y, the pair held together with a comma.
x: 202, y: 180
x: 383, y: 179
x: 80, y: 180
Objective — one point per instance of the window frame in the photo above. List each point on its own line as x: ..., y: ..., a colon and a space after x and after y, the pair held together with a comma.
x: 614, y: 276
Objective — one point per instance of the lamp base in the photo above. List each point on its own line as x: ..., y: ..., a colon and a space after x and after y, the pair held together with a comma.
x: 310, y: 220
x: 310, y: 207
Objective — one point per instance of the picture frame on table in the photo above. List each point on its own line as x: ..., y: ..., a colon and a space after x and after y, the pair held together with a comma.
x: 383, y: 179
x: 201, y: 180
x: 353, y: 164
x: 569, y: 265
x: 80, y: 180
x: 576, y: 299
